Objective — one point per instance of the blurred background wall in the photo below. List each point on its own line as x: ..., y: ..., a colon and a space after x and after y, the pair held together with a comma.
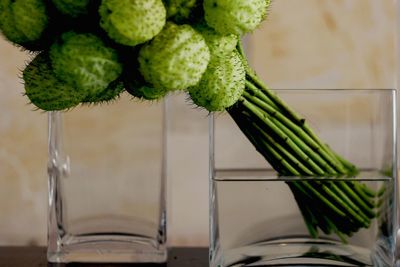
x: 303, y: 44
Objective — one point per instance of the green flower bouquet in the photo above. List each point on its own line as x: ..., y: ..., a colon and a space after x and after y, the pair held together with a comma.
x: 88, y: 51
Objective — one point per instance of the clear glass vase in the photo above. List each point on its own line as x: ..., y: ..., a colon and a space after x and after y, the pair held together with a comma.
x: 258, y: 216
x: 107, y: 183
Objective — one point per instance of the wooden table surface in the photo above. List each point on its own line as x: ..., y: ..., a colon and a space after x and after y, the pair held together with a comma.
x: 36, y: 257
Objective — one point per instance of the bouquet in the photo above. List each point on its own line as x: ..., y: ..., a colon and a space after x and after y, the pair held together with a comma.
x: 90, y: 51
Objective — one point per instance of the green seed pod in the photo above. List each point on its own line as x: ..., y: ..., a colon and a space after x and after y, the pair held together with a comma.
x: 140, y: 89
x: 23, y: 22
x: 7, y: 24
x: 221, y: 85
x: 219, y: 45
x: 180, y: 10
x: 147, y: 92
x: 72, y: 8
x: 30, y: 18
x: 112, y: 92
x: 85, y: 62
x: 43, y: 88
x: 234, y: 16
x: 132, y: 22
x: 134, y: 82
x: 175, y: 59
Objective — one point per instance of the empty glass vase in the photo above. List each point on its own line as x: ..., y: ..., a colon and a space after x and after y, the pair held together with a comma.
x: 107, y: 183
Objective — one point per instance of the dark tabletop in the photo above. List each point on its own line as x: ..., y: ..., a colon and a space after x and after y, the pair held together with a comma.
x: 36, y: 257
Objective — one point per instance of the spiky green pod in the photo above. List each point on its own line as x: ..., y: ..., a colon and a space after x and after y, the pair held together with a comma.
x: 134, y: 82
x: 180, y: 10
x: 219, y: 45
x: 147, y: 92
x: 142, y: 90
x: 112, y: 92
x: 7, y: 24
x: 175, y: 59
x: 221, y: 85
x: 85, y: 62
x: 234, y: 16
x: 23, y: 22
x: 45, y: 90
x: 72, y: 8
x: 30, y: 18
x: 132, y: 22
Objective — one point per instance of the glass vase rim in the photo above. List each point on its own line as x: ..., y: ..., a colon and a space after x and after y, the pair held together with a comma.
x: 383, y: 90
x: 268, y: 174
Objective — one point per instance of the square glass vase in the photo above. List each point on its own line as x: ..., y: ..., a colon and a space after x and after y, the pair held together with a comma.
x: 107, y: 184
x: 261, y: 218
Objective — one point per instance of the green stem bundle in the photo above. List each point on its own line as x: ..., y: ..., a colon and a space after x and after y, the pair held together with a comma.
x: 293, y: 149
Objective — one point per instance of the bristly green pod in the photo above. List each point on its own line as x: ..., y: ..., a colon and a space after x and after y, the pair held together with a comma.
x: 175, y: 59
x: 23, y: 22
x: 133, y: 80
x: 83, y: 61
x: 181, y: 10
x: 234, y: 16
x: 147, y: 92
x: 132, y: 22
x: 43, y: 88
x: 72, y: 8
x: 7, y: 24
x: 137, y: 87
x: 112, y: 92
x: 219, y: 45
x: 30, y: 18
x: 221, y: 85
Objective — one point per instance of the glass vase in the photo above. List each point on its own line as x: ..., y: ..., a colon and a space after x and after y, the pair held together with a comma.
x: 107, y: 183
x: 258, y: 217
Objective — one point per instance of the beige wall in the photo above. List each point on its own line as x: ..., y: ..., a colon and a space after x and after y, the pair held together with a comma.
x: 303, y: 44
x: 327, y: 44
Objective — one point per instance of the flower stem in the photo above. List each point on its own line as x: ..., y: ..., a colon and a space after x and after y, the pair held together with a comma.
x: 293, y: 149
